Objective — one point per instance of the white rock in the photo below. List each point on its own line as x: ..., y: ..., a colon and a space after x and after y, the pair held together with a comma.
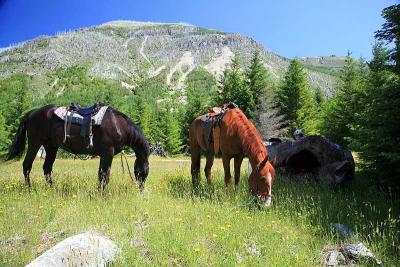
x: 85, y: 249
x: 358, y: 251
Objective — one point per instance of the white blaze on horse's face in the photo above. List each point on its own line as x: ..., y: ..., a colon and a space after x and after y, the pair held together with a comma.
x: 268, y: 200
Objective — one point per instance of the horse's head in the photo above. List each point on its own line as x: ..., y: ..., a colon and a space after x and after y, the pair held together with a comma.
x: 141, y: 170
x: 261, y: 179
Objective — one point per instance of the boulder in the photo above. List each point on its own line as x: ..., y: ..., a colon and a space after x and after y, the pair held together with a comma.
x: 313, y: 156
x: 85, y: 249
x: 359, y: 251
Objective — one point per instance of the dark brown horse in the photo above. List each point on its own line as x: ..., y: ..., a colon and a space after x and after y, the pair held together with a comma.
x: 44, y: 128
x: 238, y: 138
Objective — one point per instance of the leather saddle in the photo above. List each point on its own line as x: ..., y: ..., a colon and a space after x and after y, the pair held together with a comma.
x: 86, y: 123
x: 92, y: 110
x: 212, y: 120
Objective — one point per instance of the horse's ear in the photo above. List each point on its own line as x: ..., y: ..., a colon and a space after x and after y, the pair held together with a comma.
x: 263, y: 162
x: 273, y: 161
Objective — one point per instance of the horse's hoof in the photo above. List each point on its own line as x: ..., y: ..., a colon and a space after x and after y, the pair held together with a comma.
x: 141, y: 187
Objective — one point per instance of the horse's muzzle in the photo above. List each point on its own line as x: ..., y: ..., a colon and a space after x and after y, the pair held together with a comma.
x: 268, y: 201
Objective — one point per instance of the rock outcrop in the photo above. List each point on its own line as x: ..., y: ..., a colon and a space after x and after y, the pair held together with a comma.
x: 85, y: 249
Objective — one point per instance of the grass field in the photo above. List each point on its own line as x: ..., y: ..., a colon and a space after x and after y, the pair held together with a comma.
x: 168, y: 226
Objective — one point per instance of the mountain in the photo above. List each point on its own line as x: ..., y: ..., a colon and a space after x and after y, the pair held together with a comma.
x: 129, y: 51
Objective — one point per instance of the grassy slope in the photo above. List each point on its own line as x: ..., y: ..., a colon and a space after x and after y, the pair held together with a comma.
x: 171, y: 227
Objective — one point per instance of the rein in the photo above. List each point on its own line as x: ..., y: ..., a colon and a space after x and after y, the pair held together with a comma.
x: 129, y: 169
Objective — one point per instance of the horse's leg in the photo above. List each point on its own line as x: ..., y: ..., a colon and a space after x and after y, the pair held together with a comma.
x: 104, y: 170
x: 207, y: 168
x: 29, y: 158
x: 237, y: 163
x: 51, y: 153
x: 227, y: 169
x: 195, y: 167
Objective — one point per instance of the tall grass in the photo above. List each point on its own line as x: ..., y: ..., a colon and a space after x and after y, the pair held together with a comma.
x: 169, y: 225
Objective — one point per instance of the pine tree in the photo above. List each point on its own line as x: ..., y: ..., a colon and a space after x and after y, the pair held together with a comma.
x: 258, y: 79
x: 264, y: 114
x: 319, y: 98
x: 307, y: 117
x: 376, y: 131
x: 233, y: 88
x: 390, y: 33
x: 142, y: 114
x: 4, y: 135
x: 269, y: 120
x: 13, y: 102
x: 173, y: 142
x: 201, y: 89
x: 295, y: 100
x: 338, y: 115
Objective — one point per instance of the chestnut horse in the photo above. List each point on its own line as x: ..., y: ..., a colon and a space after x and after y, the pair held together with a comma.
x: 44, y: 128
x: 238, y: 138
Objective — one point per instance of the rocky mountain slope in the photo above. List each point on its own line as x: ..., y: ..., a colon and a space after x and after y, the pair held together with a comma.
x: 129, y: 51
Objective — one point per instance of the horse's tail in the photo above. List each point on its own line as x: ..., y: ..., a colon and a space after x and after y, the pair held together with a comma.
x: 17, y: 147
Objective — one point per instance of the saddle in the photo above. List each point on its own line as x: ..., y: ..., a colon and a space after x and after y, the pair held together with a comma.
x: 85, y: 117
x: 85, y: 111
x: 213, y: 119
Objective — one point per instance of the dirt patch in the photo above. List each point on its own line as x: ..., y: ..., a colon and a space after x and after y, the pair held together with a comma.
x: 48, y: 239
x: 13, y: 243
x: 137, y: 241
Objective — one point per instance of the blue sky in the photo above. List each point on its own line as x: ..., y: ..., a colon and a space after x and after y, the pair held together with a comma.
x: 289, y: 28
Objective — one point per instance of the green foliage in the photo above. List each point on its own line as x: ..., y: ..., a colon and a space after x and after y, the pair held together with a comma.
x: 376, y: 127
x: 319, y: 98
x: 201, y: 88
x: 14, y: 102
x: 330, y: 70
x: 390, y: 32
x: 338, y: 114
x: 172, y: 128
x: 258, y: 79
x: 233, y: 88
x: 4, y: 135
x: 74, y: 85
x: 295, y: 100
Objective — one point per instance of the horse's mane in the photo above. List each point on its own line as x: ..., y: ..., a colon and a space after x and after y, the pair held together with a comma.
x: 251, y: 139
x: 135, y: 133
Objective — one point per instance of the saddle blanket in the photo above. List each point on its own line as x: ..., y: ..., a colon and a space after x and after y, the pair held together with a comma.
x: 62, y: 112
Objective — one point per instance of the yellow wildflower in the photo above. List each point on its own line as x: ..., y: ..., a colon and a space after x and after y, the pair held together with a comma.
x: 196, y: 250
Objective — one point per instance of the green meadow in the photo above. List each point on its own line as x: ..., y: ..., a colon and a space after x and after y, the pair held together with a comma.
x: 167, y: 225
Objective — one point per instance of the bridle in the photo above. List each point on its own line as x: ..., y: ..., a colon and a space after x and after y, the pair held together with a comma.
x: 257, y: 191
